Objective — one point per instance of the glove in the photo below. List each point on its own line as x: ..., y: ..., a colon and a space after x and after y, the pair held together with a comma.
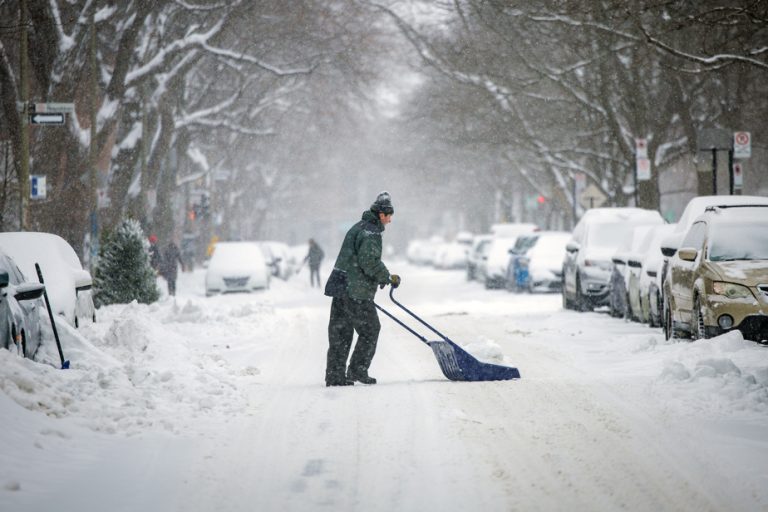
x: 394, y: 280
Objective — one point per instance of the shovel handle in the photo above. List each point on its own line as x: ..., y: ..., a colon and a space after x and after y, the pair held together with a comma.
x: 425, y: 324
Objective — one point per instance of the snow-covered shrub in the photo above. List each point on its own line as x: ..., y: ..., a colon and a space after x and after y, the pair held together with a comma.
x: 123, y: 272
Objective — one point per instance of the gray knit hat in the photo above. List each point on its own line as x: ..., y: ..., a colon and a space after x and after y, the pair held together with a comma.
x: 383, y: 204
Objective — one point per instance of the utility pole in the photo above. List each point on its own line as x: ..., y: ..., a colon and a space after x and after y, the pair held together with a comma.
x: 24, y: 86
x: 92, y: 147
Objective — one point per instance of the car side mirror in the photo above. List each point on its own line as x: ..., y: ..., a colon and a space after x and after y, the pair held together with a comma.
x: 634, y: 263
x: 669, y: 245
x: 687, y: 253
x: 29, y: 291
x: 668, y: 251
x: 83, y: 280
x: 617, y: 261
x: 572, y: 247
x: 4, y: 279
x: 651, y: 273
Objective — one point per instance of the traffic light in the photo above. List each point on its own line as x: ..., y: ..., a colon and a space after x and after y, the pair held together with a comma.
x: 541, y: 200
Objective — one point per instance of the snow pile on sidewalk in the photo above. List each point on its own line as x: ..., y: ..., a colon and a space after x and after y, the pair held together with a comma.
x: 134, y: 370
x: 718, y: 374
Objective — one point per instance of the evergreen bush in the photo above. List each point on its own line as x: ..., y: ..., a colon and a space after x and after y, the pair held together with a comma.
x: 123, y: 272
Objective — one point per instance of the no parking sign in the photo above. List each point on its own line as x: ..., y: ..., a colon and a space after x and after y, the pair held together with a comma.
x: 742, y: 145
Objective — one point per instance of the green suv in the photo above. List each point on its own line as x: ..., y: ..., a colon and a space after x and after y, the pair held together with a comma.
x: 718, y: 279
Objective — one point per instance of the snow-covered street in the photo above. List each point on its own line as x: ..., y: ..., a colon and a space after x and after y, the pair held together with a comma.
x: 202, y: 404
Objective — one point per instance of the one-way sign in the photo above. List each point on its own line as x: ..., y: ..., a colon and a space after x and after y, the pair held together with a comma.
x: 46, y: 118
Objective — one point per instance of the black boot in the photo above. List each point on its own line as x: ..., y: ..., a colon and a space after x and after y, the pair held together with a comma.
x: 339, y: 382
x: 362, y: 377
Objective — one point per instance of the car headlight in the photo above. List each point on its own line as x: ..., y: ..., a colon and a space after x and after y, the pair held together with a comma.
x: 731, y: 290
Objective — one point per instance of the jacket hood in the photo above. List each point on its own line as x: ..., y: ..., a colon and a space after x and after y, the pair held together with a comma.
x: 373, y: 218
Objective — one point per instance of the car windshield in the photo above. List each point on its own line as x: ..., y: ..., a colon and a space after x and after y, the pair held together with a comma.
x: 607, y: 234
x: 747, y: 241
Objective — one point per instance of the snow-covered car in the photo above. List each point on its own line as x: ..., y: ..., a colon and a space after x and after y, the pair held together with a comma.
x: 718, y: 279
x: 624, y: 271
x: 693, y: 209
x: 236, y: 267
x: 20, y: 309
x: 517, y: 273
x: 495, y: 264
x: 422, y: 251
x: 451, y: 256
x: 475, y: 255
x: 278, y: 257
x: 544, y: 262
x: 645, y: 291
x: 68, y: 285
x: 587, y: 264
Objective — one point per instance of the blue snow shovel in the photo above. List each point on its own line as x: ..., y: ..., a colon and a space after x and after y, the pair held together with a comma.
x: 455, y: 362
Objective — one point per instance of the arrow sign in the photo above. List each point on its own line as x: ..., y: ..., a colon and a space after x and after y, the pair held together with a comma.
x: 46, y: 118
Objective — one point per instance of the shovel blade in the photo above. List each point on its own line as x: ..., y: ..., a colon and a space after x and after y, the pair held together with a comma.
x: 458, y: 364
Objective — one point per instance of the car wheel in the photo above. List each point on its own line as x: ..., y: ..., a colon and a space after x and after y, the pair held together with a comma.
x: 668, y: 334
x: 77, y: 322
x: 699, y: 329
x: 580, y: 302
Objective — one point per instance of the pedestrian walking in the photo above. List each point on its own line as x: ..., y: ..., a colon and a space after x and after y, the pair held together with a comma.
x: 314, y: 257
x: 352, y: 284
x: 154, y: 253
x: 169, y: 265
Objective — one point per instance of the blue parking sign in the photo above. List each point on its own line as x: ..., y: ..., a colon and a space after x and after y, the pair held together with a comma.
x: 37, y: 187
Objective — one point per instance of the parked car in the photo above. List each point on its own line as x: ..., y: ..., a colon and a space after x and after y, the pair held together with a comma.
x: 645, y: 291
x: 623, y: 271
x: 495, y: 264
x: 422, y: 251
x: 68, y: 285
x: 20, y: 307
x: 236, y: 267
x: 693, y: 209
x: 544, y: 263
x: 451, y: 256
x: 475, y: 255
x: 517, y: 274
x: 278, y: 258
x: 587, y: 263
x: 718, y: 279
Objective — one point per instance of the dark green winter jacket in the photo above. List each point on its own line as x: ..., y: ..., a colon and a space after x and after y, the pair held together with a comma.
x: 360, y: 258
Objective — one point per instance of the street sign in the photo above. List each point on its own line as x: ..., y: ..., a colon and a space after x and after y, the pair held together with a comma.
x: 54, y: 108
x: 641, y: 148
x: 102, y: 198
x: 742, y: 145
x: 46, y: 118
x: 643, y: 169
x: 738, y: 176
x: 592, y: 197
x: 37, y: 188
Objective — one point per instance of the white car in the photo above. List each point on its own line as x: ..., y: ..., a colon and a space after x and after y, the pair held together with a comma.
x: 67, y: 284
x: 451, y: 256
x: 587, y: 264
x: 495, y: 264
x: 475, y: 255
x: 236, y: 267
x: 544, y: 261
x: 278, y: 257
x: 645, y: 293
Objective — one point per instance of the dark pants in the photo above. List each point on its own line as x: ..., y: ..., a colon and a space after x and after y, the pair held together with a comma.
x: 347, y: 316
x: 314, y: 273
